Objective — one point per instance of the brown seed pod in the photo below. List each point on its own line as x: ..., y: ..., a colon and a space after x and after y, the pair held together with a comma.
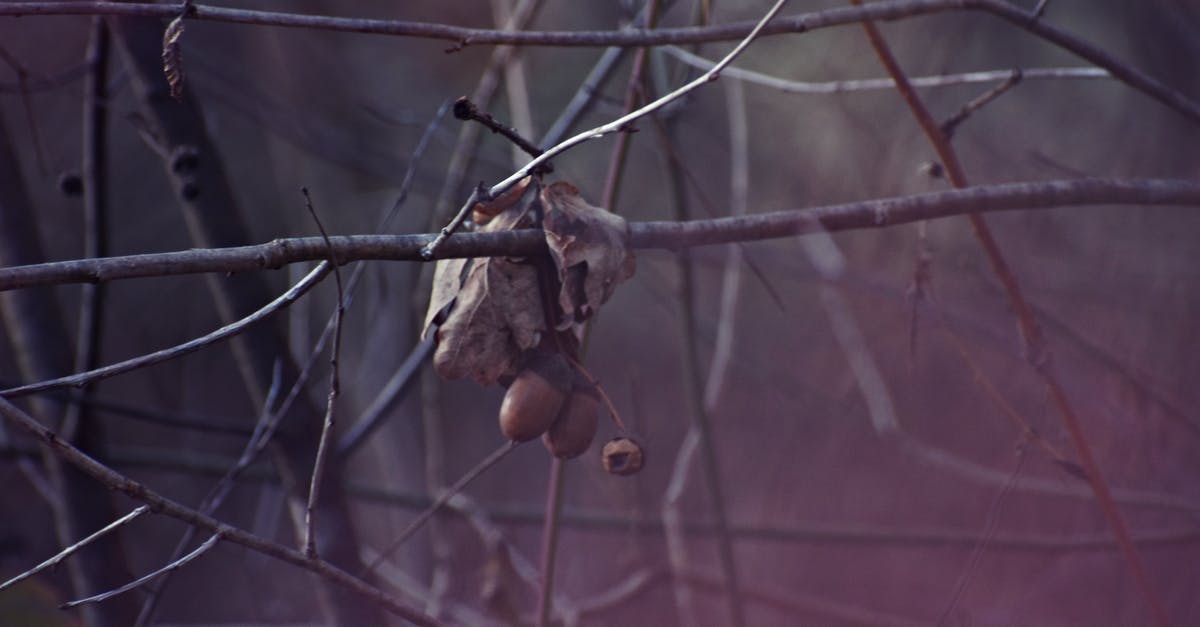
x: 623, y: 455
x: 535, y: 397
x: 573, y: 430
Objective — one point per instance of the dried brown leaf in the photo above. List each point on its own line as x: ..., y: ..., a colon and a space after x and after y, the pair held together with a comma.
x: 172, y: 57
x: 483, y: 212
x: 492, y: 313
x: 589, y: 246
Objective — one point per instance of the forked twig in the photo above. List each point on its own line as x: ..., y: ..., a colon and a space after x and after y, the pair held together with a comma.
x: 318, y: 471
x: 616, y: 125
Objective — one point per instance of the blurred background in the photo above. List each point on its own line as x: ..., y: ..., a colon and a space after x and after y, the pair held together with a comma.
x: 872, y: 451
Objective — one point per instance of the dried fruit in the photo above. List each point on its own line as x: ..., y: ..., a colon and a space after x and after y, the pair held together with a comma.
x: 535, y: 397
x: 573, y: 430
x: 623, y: 455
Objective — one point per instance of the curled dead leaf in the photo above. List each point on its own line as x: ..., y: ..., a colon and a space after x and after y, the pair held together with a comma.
x: 487, y: 312
x: 590, y: 250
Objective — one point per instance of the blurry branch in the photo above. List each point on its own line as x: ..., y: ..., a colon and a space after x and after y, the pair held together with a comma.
x: 264, y: 429
x: 842, y: 533
x: 214, y: 218
x: 41, y: 346
x: 693, y: 382
x: 673, y: 526
x: 462, y: 36
x: 793, y: 604
x: 1037, y: 351
x: 549, y: 544
x: 979, y: 102
x: 59, y: 79
x: 162, y: 505
x: 633, y: 96
x: 825, y: 255
x: 447, y: 494
x: 664, y: 235
x: 865, y: 84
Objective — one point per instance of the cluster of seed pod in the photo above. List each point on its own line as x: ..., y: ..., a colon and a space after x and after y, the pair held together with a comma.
x: 548, y: 398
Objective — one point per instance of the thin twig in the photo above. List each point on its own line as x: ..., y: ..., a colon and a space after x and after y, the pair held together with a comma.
x: 977, y: 103
x: 804, y: 22
x: 624, y: 121
x: 868, y: 214
x: 870, y: 84
x: 693, y: 382
x: 318, y: 471
x: 160, y: 504
x: 989, y: 530
x: 673, y: 525
x: 175, y: 565
x: 372, y: 417
x: 468, y: 135
x: 264, y: 430
x: 830, y: 264
x: 466, y: 110
x: 584, y: 97
x: 1034, y: 343
x: 620, y: 124
x: 633, y: 96
x: 65, y: 553
x: 443, y: 498
x: 84, y: 378
x: 731, y: 279
x: 550, y: 528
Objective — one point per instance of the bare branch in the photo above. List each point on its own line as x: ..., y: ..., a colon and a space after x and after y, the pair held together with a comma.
x: 1037, y: 353
x: 160, y: 504
x: 175, y: 565
x: 83, y: 378
x: 803, y: 22
x: 65, y: 553
x: 868, y: 214
x: 868, y: 84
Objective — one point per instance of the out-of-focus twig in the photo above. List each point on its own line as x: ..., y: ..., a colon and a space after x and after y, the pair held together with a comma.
x: 550, y: 529
x: 693, y: 383
x: 162, y: 505
x: 980, y: 101
x: 871, y: 84
x: 1034, y: 343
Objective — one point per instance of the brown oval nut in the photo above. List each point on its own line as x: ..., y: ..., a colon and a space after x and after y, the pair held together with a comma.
x: 623, y: 455
x: 534, y: 398
x: 573, y: 430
